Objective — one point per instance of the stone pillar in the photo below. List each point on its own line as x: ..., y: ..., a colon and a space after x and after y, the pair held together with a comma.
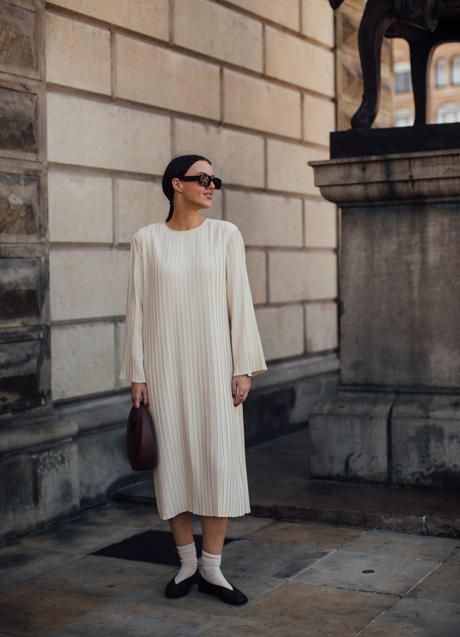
x: 396, y: 417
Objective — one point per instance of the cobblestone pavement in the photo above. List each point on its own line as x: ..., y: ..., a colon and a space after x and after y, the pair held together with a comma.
x: 302, y: 579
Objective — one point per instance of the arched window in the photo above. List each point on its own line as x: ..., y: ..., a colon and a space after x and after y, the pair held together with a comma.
x: 455, y: 70
x: 441, y: 72
x: 448, y: 113
x: 402, y: 77
x: 403, y: 117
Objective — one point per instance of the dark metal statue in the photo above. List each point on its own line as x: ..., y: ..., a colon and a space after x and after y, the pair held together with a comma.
x: 424, y: 24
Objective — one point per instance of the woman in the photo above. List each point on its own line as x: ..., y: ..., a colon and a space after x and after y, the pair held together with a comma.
x: 191, y: 345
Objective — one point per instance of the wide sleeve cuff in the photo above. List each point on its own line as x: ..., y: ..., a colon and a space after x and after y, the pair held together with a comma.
x: 247, y: 352
x: 132, y: 367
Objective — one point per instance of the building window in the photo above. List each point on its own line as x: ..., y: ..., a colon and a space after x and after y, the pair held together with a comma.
x: 403, y: 117
x: 402, y: 77
x: 448, y: 113
x: 441, y: 72
x: 455, y: 70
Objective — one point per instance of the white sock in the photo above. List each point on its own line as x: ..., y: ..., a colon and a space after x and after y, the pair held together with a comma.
x: 209, y: 567
x: 188, y: 561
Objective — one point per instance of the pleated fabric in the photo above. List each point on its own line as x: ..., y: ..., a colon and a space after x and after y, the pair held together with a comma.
x: 190, y: 326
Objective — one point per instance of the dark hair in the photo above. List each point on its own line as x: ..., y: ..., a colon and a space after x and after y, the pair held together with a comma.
x: 177, y: 167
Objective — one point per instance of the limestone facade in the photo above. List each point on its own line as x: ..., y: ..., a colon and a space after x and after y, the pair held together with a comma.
x: 130, y: 84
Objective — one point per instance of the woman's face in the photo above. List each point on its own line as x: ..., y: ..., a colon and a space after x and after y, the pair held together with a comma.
x: 193, y: 194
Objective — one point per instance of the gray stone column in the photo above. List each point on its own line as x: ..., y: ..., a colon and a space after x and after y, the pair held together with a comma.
x: 396, y: 417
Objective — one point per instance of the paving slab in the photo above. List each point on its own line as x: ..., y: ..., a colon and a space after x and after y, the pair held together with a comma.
x: 125, y: 514
x: 29, y: 611
x: 416, y: 618
x: 19, y: 563
x: 404, y: 545
x: 250, y: 558
x: 105, y: 576
x: 80, y: 536
x: 318, y: 536
x: 366, y: 572
x: 317, y: 610
x: 442, y: 584
x: 132, y: 619
x: 237, y: 627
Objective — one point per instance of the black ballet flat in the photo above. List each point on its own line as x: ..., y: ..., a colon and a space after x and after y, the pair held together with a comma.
x: 234, y: 596
x: 173, y: 590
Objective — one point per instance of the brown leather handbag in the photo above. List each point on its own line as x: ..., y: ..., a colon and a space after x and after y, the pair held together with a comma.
x: 141, y: 440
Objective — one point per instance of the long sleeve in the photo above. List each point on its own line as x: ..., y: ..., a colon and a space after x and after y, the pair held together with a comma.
x: 248, y: 356
x: 132, y: 368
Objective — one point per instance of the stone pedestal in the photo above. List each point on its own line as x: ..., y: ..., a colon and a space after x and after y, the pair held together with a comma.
x: 396, y: 417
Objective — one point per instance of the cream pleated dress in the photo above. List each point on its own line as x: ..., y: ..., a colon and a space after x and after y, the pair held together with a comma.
x: 190, y: 326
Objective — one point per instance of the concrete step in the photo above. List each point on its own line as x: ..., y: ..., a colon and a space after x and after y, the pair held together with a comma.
x: 280, y: 487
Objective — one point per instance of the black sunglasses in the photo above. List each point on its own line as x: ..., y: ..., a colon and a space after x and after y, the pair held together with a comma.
x: 204, y: 180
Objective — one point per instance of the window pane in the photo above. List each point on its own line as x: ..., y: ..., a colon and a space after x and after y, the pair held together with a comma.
x: 456, y: 70
x: 441, y: 73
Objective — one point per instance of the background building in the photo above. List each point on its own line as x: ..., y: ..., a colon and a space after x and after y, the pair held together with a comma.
x: 444, y: 87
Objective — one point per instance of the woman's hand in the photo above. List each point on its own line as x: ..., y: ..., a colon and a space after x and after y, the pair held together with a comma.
x: 139, y: 390
x: 240, y: 388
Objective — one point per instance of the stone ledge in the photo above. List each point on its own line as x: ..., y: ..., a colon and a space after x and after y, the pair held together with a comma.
x: 395, y: 178
x: 33, y: 429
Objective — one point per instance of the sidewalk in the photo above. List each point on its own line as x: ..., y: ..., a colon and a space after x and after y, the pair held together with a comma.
x: 280, y: 487
x: 104, y: 573
x: 302, y: 580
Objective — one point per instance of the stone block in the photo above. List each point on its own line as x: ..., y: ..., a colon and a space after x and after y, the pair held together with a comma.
x: 20, y: 210
x: 20, y: 288
x: 137, y: 203
x: 90, y: 133
x: 302, y: 275
x: 281, y: 329
x: 265, y: 220
x: 318, y: 24
x: 318, y: 119
x: 320, y: 224
x: 160, y: 77
x: 87, y: 283
x: 302, y: 63
x: 321, y: 326
x: 79, y: 207
x: 150, y: 17
x: 348, y: 437
x: 38, y: 486
x: 256, y: 103
x: 404, y: 334
x: 287, y: 167
x: 426, y: 441
x: 21, y: 372
x: 18, y: 35
x: 237, y: 157
x: 103, y: 462
x: 255, y: 262
x: 77, y: 54
x: 83, y: 360
x: 18, y: 114
x: 234, y: 37
x: 285, y: 13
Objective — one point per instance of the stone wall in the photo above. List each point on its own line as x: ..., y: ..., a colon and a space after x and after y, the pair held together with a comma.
x: 24, y: 337
x: 131, y: 84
